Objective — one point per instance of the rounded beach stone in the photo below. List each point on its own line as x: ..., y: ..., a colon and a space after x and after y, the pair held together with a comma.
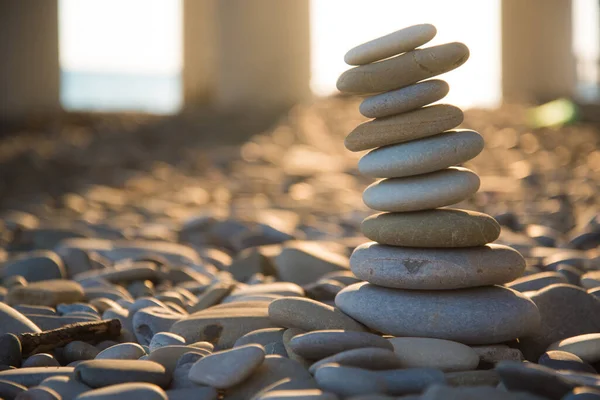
x: 101, y: 373
x: 536, y: 281
x: 394, y: 43
x: 151, y: 320
x: 415, y: 352
x: 566, y: 311
x: 33, y: 376
x: 436, y: 269
x: 126, y: 391
x: 473, y: 316
x: 422, y: 156
x: 372, y: 358
x: 587, y: 347
x: 405, y: 99
x: 39, y: 393
x: 10, y: 350
x: 422, y: 192
x: 403, y: 70
x: 583, y: 393
x: 46, y: 293
x: 10, y: 390
x: 273, y: 369
x: 36, y: 266
x: 122, y: 351
x: 196, y: 393
x: 162, y: 339
x: 78, y: 351
x: 67, y: 387
x: 444, y: 227
x: 40, y: 360
x: 12, y: 321
x: 320, y: 344
x: 227, y: 368
x: 562, y: 360
x: 222, y: 327
x: 310, y: 315
x: 417, y: 124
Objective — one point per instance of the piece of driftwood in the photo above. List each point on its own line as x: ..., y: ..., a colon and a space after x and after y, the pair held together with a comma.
x: 95, y: 331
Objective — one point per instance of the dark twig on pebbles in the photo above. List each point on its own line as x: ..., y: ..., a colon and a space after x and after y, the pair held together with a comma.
x: 96, y: 331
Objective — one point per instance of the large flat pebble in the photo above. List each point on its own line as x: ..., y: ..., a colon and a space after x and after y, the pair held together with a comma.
x: 324, y: 343
x: 422, y: 192
x: 101, y: 373
x: 227, y: 368
x: 12, y: 321
x: 446, y: 227
x: 417, y: 124
x: 403, y: 70
x: 472, y: 316
x: 422, y: 156
x: 309, y: 315
x: 436, y: 269
x: 46, y: 293
x: 404, y: 100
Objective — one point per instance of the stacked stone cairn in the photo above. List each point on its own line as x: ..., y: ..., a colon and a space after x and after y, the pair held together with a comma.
x: 430, y: 271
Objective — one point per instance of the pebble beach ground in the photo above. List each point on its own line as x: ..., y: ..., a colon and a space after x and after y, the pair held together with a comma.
x: 200, y: 256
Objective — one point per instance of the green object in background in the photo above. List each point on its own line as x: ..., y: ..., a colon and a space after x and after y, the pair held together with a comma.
x: 555, y: 113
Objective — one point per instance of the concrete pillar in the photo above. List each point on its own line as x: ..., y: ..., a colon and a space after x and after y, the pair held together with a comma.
x: 199, y: 50
x: 29, y: 66
x: 537, y: 58
x: 264, y: 53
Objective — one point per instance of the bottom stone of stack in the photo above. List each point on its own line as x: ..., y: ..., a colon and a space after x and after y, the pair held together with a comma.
x: 483, y: 315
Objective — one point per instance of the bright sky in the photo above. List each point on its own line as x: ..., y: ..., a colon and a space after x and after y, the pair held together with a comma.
x: 127, y: 36
x: 144, y: 37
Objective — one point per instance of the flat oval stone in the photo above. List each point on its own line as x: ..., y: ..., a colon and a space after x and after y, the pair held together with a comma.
x: 101, y: 373
x: 587, y: 346
x: 422, y: 192
x: 10, y: 390
x: 30, y: 377
x: 566, y: 311
x: 168, y: 356
x: 372, y: 358
x: 403, y: 70
x: 122, y: 351
x: 436, y: 269
x: 405, y: 99
x: 414, y: 352
x: 391, y: 44
x: 445, y: 227
x: 162, y: 339
x: 68, y: 388
x: 196, y: 393
x: 12, y: 321
x: 473, y: 316
x: 320, y: 344
x: 10, y: 350
x: 273, y: 369
x: 536, y: 281
x: 46, y: 293
x: 422, y: 156
x: 412, y: 125
x: 222, y: 327
x: 126, y: 391
x: 39, y: 393
x: 36, y: 266
x: 562, y: 360
x: 227, y: 368
x: 309, y: 315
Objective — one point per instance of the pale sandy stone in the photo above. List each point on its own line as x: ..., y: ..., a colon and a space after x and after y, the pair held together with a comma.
x: 404, y: 99
x: 403, y: 70
x: 418, y: 124
x: 422, y: 192
x: 422, y: 156
x: 391, y: 44
x: 586, y: 347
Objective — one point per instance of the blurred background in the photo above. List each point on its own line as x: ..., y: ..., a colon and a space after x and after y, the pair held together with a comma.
x: 139, y: 111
